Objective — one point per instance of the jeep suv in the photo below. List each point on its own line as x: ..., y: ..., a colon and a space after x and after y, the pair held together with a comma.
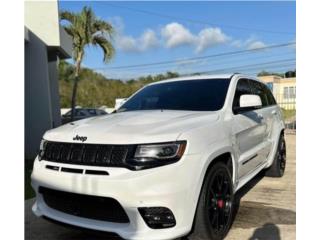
x: 167, y: 163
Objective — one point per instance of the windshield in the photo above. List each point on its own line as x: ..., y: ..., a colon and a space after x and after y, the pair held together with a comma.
x: 189, y: 95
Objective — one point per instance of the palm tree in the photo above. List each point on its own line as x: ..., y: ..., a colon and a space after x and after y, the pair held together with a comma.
x: 86, y: 29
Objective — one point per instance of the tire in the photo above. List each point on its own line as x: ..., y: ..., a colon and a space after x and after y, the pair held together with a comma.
x: 279, y: 162
x: 214, y: 212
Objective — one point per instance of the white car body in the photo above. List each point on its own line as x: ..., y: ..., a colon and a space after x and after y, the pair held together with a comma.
x: 176, y: 186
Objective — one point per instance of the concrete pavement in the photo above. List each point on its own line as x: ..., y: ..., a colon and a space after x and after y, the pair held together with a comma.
x: 267, y: 210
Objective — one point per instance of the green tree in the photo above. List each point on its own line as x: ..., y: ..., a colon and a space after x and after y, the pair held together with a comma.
x: 86, y: 29
x: 265, y: 73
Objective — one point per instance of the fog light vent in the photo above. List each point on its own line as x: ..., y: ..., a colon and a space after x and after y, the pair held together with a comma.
x: 157, y: 217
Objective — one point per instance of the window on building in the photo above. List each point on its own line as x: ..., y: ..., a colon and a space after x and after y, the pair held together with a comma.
x: 289, y: 92
x: 292, y: 92
x: 285, y: 92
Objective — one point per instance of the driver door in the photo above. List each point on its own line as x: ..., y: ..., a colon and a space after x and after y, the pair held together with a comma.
x: 248, y: 130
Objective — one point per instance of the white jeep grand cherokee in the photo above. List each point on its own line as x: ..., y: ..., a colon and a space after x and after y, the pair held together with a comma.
x: 167, y: 163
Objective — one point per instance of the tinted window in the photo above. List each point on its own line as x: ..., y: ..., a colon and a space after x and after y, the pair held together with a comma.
x: 68, y: 113
x: 92, y: 111
x: 271, y: 100
x: 79, y: 113
x: 257, y: 89
x: 243, y: 87
x: 192, y: 95
x: 101, y: 112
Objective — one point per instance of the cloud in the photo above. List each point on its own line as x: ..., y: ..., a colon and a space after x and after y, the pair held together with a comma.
x: 117, y: 23
x: 237, y: 43
x: 175, y: 34
x: 126, y: 43
x: 251, y: 43
x: 256, y: 45
x: 210, y: 37
x: 147, y: 40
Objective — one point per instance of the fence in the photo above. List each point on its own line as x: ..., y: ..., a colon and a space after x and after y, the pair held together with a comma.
x: 288, y: 107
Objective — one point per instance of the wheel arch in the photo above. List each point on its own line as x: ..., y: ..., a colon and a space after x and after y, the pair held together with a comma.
x: 224, y: 155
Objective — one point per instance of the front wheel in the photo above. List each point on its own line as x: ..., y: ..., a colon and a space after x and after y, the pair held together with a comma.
x: 215, y: 207
x: 279, y: 163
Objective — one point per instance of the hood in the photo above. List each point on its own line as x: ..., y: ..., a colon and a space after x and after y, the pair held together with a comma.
x: 133, y: 127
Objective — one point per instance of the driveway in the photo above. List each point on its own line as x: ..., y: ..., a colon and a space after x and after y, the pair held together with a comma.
x: 267, y: 210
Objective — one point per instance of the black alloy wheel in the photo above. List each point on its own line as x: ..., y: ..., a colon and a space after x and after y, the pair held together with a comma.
x: 219, y: 202
x: 282, y: 156
x: 214, y: 213
x: 278, y: 166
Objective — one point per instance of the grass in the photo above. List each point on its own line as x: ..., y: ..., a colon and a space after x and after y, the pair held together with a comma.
x: 287, y: 114
x: 28, y: 191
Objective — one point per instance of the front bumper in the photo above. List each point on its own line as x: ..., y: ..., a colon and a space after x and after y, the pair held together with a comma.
x: 172, y: 186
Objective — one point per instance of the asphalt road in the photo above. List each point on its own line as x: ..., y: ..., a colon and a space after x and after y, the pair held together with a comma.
x: 267, y: 210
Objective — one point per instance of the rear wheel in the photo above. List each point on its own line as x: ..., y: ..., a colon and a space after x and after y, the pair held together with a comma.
x: 214, y: 211
x: 279, y: 163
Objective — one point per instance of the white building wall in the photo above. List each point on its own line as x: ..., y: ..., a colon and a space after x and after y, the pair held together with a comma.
x: 45, y: 41
x: 42, y: 18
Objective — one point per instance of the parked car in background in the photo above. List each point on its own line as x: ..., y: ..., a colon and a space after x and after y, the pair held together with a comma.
x: 82, y: 113
x: 119, y: 102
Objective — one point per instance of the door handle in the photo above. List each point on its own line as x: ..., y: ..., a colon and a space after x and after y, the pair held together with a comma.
x: 274, y: 112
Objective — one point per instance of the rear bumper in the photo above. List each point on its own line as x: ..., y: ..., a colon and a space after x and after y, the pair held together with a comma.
x: 171, y: 186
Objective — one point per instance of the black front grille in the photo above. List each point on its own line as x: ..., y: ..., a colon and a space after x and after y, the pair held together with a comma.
x: 86, y: 206
x: 88, y: 154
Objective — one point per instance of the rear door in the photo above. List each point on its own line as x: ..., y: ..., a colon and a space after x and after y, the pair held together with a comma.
x: 248, y: 130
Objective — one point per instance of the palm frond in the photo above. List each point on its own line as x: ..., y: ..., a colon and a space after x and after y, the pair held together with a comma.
x: 70, y: 31
x: 85, y: 29
x: 103, y: 26
x: 87, y: 18
x: 69, y: 16
x: 105, y: 45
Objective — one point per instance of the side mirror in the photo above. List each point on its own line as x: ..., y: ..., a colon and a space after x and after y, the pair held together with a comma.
x: 248, y: 102
x: 251, y: 101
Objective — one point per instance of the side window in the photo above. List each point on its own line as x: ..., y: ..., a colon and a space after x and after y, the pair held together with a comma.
x: 79, y: 113
x: 243, y: 87
x: 68, y: 114
x: 257, y: 89
x: 271, y: 100
x: 92, y: 111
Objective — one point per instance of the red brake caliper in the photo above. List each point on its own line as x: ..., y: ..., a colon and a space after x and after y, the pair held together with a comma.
x: 220, y: 203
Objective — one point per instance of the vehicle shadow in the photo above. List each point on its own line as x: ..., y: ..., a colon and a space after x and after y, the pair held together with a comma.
x: 244, y: 190
x: 263, y: 217
x: 268, y: 231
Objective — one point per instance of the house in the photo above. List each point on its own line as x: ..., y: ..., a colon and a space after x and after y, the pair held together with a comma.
x: 283, y: 89
x: 45, y: 43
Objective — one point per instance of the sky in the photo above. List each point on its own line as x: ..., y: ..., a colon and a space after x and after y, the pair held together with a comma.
x: 186, y: 33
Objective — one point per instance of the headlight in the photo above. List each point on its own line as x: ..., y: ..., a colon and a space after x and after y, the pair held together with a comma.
x: 41, y: 148
x: 151, y: 155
